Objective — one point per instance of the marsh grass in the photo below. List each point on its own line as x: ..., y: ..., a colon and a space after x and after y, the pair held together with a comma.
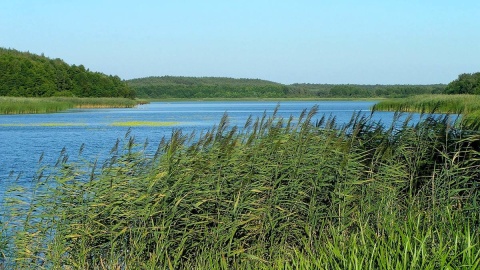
x: 273, y: 194
x: 14, y: 105
x: 100, y: 102
x: 21, y: 105
x: 454, y: 104
x: 467, y: 105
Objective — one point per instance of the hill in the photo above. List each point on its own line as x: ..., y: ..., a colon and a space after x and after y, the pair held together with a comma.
x: 217, y: 87
x: 30, y: 75
x: 206, y: 87
x: 26, y: 74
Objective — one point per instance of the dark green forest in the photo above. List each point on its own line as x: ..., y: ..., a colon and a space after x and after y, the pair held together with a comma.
x: 210, y: 87
x: 206, y: 87
x: 465, y: 84
x: 363, y: 91
x: 29, y: 75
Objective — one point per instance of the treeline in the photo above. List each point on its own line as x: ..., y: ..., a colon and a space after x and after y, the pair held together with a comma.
x: 211, y: 87
x: 363, y: 91
x: 29, y: 75
x: 465, y: 84
x: 206, y: 87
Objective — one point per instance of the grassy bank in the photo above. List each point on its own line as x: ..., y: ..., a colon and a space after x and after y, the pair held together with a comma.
x: 467, y: 105
x: 273, y: 194
x: 21, y: 105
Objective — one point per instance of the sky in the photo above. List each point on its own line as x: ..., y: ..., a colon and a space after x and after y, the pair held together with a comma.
x: 322, y: 41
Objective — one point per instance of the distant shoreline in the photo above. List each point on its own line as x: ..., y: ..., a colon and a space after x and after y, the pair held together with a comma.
x: 265, y: 99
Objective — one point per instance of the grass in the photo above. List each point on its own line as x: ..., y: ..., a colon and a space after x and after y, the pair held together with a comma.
x: 101, y: 102
x: 432, y: 103
x: 20, y: 105
x: 272, y: 194
x: 467, y: 105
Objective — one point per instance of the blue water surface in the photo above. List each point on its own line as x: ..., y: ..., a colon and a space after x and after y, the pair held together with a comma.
x: 26, y: 138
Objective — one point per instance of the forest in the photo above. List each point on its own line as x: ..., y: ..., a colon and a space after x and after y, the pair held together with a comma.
x: 364, y: 91
x: 206, y: 87
x: 465, y: 84
x: 212, y: 87
x: 25, y: 74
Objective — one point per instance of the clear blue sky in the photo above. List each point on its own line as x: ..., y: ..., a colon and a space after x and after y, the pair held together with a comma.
x: 361, y: 42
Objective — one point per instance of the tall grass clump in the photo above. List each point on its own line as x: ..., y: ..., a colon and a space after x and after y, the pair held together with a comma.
x: 273, y: 194
x: 22, y: 105
x: 467, y: 105
x: 454, y: 104
x: 100, y: 102
x: 17, y: 105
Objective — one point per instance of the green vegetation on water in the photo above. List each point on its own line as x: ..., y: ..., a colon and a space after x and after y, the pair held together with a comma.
x: 144, y: 123
x: 461, y: 98
x: 467, y: 105
x: 273, y: 194
x: 54, y: 124
x: 456, y: 104
x: 22, y: 105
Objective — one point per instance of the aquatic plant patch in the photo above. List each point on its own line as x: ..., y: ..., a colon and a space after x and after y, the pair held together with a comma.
x: 144, y: 124
x: 43, y: 125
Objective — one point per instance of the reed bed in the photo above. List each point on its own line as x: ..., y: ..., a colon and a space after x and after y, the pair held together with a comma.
x: 17, y: 105
x: 467, y: 105
x: 273, y: 194
x: 456, y: 104
x: 99, y: 102
x: 22, y: 105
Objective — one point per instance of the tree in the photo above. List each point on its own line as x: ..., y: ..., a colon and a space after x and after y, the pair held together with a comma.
x: 466, y: 83
x: 27, y: 74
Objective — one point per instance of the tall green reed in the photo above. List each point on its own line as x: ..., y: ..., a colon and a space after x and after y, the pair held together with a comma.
x: 274, y: 194
x: 22, y: 105
x: 466, y: 105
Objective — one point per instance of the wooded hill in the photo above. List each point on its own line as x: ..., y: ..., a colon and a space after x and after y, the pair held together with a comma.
x: 29, y: 75
x: 206, y: 87
x: 212, y: 87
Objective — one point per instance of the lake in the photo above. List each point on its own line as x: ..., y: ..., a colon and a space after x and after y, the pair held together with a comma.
x: 26, y: 138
